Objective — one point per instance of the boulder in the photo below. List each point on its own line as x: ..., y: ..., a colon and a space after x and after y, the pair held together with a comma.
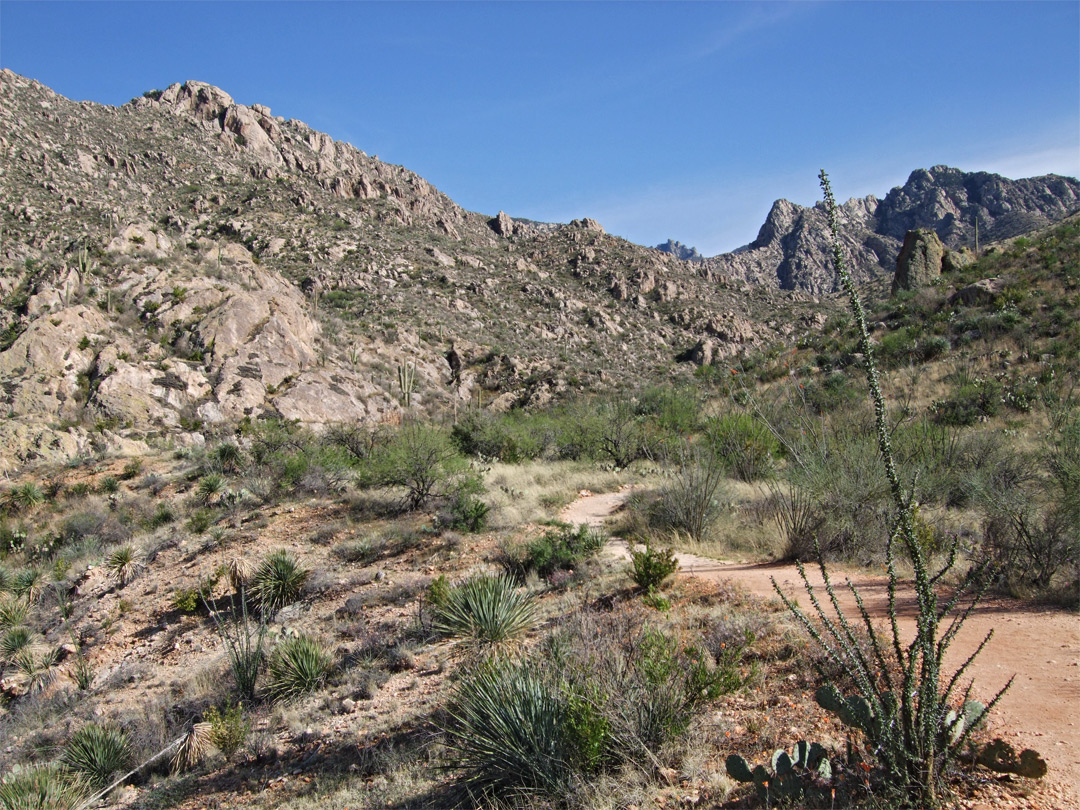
x: 981, y: 293
x: 956, y: 260
x: 701, y: 353
x: 503, y: 225
x: 919, y: 262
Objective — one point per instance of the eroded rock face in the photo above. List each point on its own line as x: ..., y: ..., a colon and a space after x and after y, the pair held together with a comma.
x: 793, y: 248
x: 919, y: 262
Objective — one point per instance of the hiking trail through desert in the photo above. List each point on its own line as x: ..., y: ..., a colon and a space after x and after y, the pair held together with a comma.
x: 1040, y: 646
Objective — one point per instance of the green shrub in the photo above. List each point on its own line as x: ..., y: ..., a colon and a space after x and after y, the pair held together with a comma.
x: 650, y: 567
x: 99, y: 752
x: 745, y: 444
x: 200, y: 521
x: 277, y: 582
x: 123, y: 565
x: 228, y: 728
x: 163, y: 516
x: 691, y: 500
x: 420, y: 459
x: 969, y: 403
x: 131, y: 469
x: 24, y: 498
x: 298, y: 665
x: 560, y: 548
x: 110, y: 485
x: 485, y: 609
x: 467, y: 513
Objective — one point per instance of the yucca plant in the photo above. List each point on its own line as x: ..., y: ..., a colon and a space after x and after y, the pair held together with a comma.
x: 297, y: 666
x: 277, y: 582
x: 486, y: 609
x: 27, y: 584
x: 192, y: 748
x: 229, y: 456
x: 15, y: 640
x: 239, y: 571
x: 36, y: 666
x: 507, y: 730
x: 210, y: 487
x: 25, y: 497
x: 13, y: 611
x: 5, y: 579
x: 98, y: 752
x: 42, y: 787
x: 123, y: 565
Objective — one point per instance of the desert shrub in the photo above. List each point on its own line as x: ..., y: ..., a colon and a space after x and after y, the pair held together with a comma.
x: 510, y: 438
x: 210, y: 489
x: 131, y: 469
x: 163, y: 516
x: 692, y: 499
x: 277, y: 582
x: 42, y: 787
x: 98, y: 752
x: 362, y: 550
x: 200, y: 520
x: 969, y: 403
x: 467, y: 513
x: 623, y: 436
x: 420, y: 459
x: 109, y: 485
x: 243, y: 639
x: 745, y: 444
x: 605, y: 690
x: 297, y: 665
x: 650, y: 567
x: 560, y: 548
x: 228, y: 728
x: 485, y: 609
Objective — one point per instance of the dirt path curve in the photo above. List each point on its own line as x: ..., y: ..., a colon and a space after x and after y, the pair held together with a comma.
x: 1041, y: 647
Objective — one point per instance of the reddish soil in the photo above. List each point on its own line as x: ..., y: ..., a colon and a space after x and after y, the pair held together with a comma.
x: 1039, y: 646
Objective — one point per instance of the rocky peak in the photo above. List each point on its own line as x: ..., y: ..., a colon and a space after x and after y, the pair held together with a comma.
x: 680, y: 251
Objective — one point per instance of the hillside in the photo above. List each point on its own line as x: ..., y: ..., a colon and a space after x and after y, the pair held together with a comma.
x: 235, y: 533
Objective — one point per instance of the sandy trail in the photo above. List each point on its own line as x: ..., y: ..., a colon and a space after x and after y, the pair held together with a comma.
x: 1040, y: 646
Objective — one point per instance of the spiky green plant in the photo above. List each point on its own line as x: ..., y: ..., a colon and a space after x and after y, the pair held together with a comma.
x: 98, y: 752
x: 905, y: 697
x: 25, y: 497
x: 277, y: 582
x: 507, y: 730
x: 297, y: 666
x: 27, y: 584
x: 14, y: 640
x: 123, y: 565
x: 5, y: 579
x: 211, y: 486
x: 13, y: 611
x: 110, y: 485
x: 486, y: 610
x: 42, y: 787
x: 229, y: 456
x: 36, y: 665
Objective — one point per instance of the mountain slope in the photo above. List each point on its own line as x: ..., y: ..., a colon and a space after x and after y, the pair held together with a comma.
x: 791, y: 250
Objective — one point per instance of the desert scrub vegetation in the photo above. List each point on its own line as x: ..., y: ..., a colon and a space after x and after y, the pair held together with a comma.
x: 484, y: 610
x: 915, y: 716
x: 604, y: 691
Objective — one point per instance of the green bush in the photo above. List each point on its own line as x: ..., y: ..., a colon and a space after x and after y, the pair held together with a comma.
x: 650, y: 567
x: 467, y: 513
x: 277, y: 582
x: 691, y: 500
x: 99, y: 752
x: 487, y: 610
x: 745, y: 444
x: 228, y: 728
x: 297, y: 665
x: 420, y: 459
x: 559, y: 548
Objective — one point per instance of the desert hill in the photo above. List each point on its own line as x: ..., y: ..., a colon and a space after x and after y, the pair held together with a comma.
x: 184, y: 261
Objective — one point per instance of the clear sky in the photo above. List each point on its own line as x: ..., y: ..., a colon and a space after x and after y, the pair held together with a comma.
x: 682, y: 120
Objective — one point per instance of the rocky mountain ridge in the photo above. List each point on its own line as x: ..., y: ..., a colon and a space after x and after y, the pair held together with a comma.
x: 791, y: 249
x: 182, y: 262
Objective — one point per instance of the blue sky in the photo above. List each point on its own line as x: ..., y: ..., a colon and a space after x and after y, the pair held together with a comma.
x: 682, y: 120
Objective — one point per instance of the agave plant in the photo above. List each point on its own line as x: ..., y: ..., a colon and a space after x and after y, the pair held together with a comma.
x: 13, y: 611
x: 25, y: 497
x: 277, y: 582
x: 297, y: 666
x: 486, y: 609
x: 211, y: 487
x: 15, y: 640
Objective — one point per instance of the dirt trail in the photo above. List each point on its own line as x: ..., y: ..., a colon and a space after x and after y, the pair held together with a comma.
x: 1040, y: 646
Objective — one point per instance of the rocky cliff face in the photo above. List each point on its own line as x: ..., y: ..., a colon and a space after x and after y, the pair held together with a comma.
x: 182, y: 262
x: 792, y: 248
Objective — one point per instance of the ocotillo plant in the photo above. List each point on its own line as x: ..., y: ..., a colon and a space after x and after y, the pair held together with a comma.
x: 913, y: 705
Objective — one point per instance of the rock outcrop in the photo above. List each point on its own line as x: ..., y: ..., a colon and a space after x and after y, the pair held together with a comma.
x: 919, y: 262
